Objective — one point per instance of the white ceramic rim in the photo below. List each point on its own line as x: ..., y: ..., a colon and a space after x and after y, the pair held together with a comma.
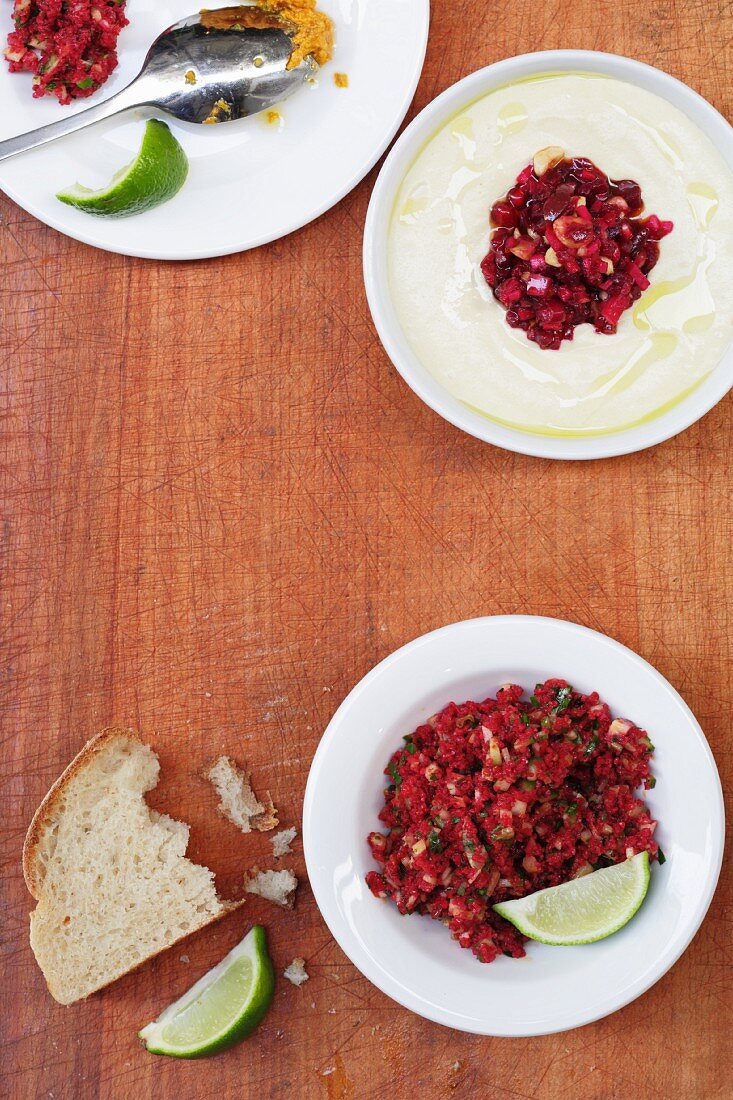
x: 351, y: 946
x: 153, y: 253
x: 430, y: 119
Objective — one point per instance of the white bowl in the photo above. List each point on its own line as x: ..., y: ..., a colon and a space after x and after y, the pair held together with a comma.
x: 413, y: 959
x: 427, y: 123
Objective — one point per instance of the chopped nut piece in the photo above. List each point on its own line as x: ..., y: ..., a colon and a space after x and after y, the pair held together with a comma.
x: 551, y: 258
x: 547, y: 158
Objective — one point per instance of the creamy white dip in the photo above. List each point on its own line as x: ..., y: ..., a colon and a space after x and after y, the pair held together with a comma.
x: 665, y: 345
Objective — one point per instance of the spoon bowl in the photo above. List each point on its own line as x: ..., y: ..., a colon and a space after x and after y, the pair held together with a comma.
x: 209, y: 68
x: 195, y: 67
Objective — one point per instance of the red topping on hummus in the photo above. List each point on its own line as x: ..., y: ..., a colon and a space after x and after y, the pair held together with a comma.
x: 569, y: 247
x: 491, y: 801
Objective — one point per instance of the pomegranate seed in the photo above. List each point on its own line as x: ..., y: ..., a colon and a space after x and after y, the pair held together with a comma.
x: 502, y: 214
x: 567, y: 248
x: 509, y: 291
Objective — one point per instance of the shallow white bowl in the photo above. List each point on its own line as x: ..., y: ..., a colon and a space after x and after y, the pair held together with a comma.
x: 427, y: 123
x: 249, y: 182
x: 413, y: 959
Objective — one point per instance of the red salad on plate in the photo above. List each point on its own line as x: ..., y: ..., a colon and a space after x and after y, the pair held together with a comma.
x: 70, y: 46
x: 494, y: 800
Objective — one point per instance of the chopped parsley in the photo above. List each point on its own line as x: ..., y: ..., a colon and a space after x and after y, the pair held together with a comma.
x: 434, y: 842
x: 392, y: 769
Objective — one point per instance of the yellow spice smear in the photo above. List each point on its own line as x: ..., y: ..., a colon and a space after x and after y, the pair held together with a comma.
x: 311, y: 30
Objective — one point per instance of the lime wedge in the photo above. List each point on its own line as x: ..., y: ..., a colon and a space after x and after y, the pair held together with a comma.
x: 222, y: 1008
x: 156, y: 174
x: 585, y: 909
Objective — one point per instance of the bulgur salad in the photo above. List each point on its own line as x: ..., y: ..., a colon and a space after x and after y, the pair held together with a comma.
x: 492, y: 801
x: 70, y: 46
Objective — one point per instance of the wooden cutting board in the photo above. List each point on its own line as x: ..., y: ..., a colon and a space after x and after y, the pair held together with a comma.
x: 221, y: 506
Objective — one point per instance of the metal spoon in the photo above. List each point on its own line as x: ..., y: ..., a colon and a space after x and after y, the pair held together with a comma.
x: 196, y: 72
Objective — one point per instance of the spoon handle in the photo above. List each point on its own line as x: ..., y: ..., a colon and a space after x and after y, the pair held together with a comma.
x: 125, y: 98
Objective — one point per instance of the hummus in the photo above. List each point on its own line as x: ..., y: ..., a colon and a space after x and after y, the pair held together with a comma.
x: 439, y: 233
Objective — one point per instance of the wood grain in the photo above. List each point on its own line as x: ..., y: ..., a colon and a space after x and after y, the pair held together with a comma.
x: 222, y: 506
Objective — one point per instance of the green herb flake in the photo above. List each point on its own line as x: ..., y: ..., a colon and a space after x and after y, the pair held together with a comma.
x: 534, y: 701
x: 434, y: 842
x: 525, y: 719
x: 392, y: 769
x: 564, y: 698
x: 661, y: 858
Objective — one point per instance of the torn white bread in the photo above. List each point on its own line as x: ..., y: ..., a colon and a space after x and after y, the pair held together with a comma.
x: 110, y: 874
x: 237, y: 800
x: 276, y: 886
x: 281, y: 842
x: 296, y: 972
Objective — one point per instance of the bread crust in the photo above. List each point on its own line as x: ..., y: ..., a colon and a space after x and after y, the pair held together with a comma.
x: 45, y: 812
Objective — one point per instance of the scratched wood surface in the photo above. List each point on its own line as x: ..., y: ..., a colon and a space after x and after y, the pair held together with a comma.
x: 221, y: 506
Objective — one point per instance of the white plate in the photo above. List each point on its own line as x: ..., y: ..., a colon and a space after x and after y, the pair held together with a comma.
x: 413, y: 959
x: 249, y: 182
x: 401, y: 156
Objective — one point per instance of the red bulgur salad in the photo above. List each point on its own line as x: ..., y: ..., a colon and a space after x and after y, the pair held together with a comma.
x: 70, y: 46
x: 492, y: 801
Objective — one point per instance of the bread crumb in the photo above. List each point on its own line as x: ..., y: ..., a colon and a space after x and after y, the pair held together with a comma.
x: 281, y: 842
x: 341, y: 80
x: 296, y: 972
x: 185, y: 959
x: 237, y: 800
x: 276, y: 886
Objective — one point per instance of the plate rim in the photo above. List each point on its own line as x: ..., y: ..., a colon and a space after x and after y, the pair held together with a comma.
x: 422, y: 11
x: 404, y: 996
x: 688, y: 411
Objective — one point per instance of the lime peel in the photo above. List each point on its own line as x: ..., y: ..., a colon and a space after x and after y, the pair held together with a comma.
x: 155, y: 175
x: 222, y: 1008
x: 583, y: 910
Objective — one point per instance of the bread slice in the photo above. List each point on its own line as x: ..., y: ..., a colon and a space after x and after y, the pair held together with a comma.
x: 110, y: 874
x: 237, y: 800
